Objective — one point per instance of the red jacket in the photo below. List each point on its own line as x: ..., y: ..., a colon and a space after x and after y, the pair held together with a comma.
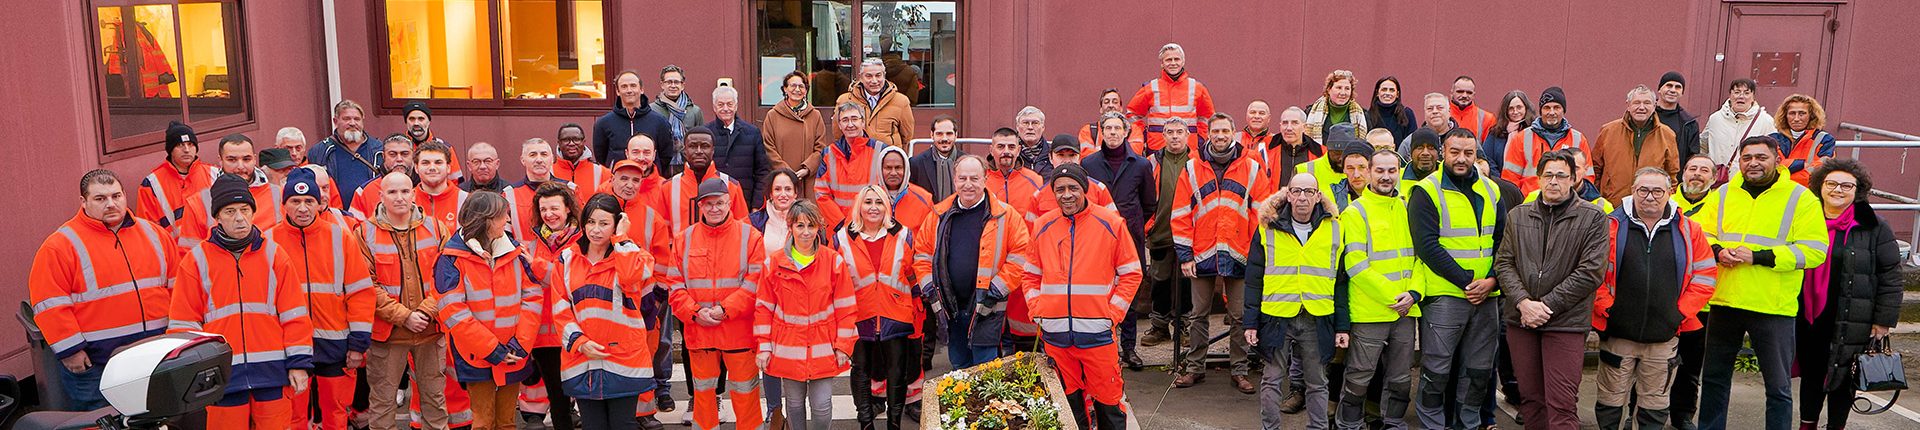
x: 489, y: 308
x: 1698, y: 277
x: 96, y: 289
x: 337, y: 285
x: 883, y: 282
x: 804, y: 316
x: 611, y: 302
x: 253, y: 299
x: 1080, y: 276
x: 716, y: 266
x: 164, y: 193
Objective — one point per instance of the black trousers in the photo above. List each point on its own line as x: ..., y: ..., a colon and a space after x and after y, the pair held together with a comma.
x: 896, y: 361
x: 1815, y: 344
x: 561, y: 409
x: 609, y: 414
x: 1685, y: 395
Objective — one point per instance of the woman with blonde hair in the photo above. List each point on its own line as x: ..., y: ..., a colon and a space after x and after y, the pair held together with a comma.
x: 1797, y: 132
x: 1335, y: 106
x: 886, y: 358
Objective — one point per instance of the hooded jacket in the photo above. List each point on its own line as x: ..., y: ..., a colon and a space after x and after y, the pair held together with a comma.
x: 1658, y: 276
x: 490, y: 308
x: 402, y: 258
x: 1213, y: 214
x: 612, y: 130
x: 253, y: 299
x: 891, y: 120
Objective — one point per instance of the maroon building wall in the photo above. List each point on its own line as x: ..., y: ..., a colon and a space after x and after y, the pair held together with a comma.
x: 1055, y: 55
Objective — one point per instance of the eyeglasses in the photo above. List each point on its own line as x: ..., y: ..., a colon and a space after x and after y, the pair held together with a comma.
x: 673, y: 82
x: 1841, y: 186
x: 1556, y: 176
x: 1651, y: 192
x: 1303, y: 191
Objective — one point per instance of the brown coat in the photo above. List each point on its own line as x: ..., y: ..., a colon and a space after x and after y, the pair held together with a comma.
x: 794, y: 139
x: 1614, y: 162
x: 1558, y: 261
x: 890, y: 121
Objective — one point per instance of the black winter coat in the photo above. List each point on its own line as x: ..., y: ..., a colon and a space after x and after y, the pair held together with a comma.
x: 1134, y: 189
x: 612, y: 130
x: 1865, y: 290
x: 741, y: 154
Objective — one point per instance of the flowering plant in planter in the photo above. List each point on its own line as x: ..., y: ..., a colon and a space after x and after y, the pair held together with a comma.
x: 1021, y: 391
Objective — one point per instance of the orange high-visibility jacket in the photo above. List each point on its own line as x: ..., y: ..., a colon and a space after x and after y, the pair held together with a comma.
x: 1080, y: 276
x: 846, y: 166
x: 366, y: 200
x: 883, y: 282
x: 1163, y: 98
x: 1014, y: 187
x: 254, y: 299
x: 164, y: 193
x: 717, y: 266
x: 805, y: 315
x: 1524, y: 150
x: 1044, y: 201
x: 489, y: 308
x: 610, y: 302
x: 444, y: 208
x: 587, y: 178
x: 96, y: 289
x: 684, y: 186
x: 1213, y: 217
x: 1473, y: 118
x: 912, y: 205
x: 524, y: 215
x: 1003, y: 246
x: 337, y: 283
x: 550, y: 250
x: 394, y: 252
x: 1699, y: 274
x: 197, y: 223
x: 648, y: 228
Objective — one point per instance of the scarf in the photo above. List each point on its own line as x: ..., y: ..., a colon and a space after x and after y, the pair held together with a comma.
x: 1814, y: 289
x: 232, y: 244
x: 677, y: 113
x: 1035, y: 157
x: 556, y: 239
x: 1552, y: 133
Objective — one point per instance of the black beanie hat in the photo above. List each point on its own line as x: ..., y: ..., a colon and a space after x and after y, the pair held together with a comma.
x: 228, y: 190
x: 1423, y: 137
x: 178, y: 133
x: 416, y: 105
x: 1673, y: 77
x: 1070, y: 171
x: 1554, y: 95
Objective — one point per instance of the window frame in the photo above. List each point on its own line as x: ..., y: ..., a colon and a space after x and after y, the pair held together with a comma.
x: 497, y: 104
x: 112, y: 148
x: 751, y: 58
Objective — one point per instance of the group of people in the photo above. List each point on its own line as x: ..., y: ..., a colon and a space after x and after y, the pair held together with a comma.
x: 780, y: 255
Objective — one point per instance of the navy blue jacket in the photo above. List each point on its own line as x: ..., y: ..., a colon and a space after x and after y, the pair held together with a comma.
x: 1134, y: 189
x: 741, y: 154
x: 611, y: 131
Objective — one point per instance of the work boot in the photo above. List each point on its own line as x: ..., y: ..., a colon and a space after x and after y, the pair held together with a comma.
x: 651, y: 423
x: 1155, y: 335
x: 1295, y: 402
x: 1109, y: 417
x: 1131, y: 360
x: 1188, y: 379
x: 913, y: 412
x: 1246, y: 386
x: 1809, y: 425
x: 663, y: 400
x: 1608, y: 416
x: 777, y: 419
x: 1077, y: 402
x: 1654, y: 419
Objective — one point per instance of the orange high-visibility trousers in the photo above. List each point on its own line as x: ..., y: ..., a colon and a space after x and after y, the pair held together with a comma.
x: 273, y: 414
x: 1096, y: 370
x: 743, y: 387
x: 336, y: 401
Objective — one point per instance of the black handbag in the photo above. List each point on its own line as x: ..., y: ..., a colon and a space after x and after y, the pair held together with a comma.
x: 1879, y: 369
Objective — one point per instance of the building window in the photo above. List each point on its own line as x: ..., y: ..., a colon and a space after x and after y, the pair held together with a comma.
x: 489, y: 54
x: 164, y: 61
x: 918, y: 41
